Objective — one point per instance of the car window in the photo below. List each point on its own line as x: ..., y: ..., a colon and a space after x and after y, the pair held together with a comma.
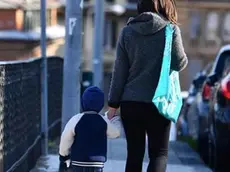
x: 219, y: 67
x: 208, y: 68
x: 226, y: 69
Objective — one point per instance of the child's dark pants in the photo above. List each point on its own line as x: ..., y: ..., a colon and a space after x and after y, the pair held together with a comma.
x: 86, y: 169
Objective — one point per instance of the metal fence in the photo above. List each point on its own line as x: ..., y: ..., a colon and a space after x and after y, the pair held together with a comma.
x: 20, y: 111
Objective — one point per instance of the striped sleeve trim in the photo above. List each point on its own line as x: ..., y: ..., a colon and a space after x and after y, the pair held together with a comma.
x: 88, y: 164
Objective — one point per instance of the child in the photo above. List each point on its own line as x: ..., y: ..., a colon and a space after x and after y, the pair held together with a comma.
x: 84, y: 139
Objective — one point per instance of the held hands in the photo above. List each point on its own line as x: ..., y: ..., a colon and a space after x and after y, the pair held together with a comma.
x: 111, y: 113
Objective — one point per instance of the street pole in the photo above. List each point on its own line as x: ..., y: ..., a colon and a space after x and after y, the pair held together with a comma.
x: 72, y: 60
x: 44, y: 96
x: 98, y: 44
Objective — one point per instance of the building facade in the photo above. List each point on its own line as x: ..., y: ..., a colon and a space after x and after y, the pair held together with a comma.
x: 204, y: 30
x: 20, y: 29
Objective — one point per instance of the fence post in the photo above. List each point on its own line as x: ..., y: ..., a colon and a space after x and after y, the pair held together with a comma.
x: 72, y: 60
x: 98, y: 44
x: 44, y: 94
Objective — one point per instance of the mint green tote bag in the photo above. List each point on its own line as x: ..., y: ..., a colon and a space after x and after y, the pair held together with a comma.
x: 167, y: 98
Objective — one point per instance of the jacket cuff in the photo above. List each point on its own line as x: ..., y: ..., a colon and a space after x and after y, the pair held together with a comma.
x: 114, y: 105
x: 64, y: 158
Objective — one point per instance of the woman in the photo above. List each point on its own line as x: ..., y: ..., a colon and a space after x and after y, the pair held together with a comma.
x: 135, y: 77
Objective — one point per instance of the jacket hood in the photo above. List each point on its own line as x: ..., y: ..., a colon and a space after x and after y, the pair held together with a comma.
x: 147, y: 23
x: 92, y: 99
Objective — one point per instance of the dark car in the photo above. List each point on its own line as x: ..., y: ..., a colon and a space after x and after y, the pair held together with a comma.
x: 189, y: 104
x: 219, y: 119
x: 205, y: 103
x: 196, y: 86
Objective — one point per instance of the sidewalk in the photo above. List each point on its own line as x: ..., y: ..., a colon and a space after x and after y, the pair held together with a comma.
x: 181, y: 159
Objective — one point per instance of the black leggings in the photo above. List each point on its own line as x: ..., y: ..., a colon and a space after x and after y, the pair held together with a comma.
x: 140, y: 119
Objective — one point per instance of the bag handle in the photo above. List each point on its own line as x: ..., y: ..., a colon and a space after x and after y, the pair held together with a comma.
x: 168, y: 45
x: 166, y: 61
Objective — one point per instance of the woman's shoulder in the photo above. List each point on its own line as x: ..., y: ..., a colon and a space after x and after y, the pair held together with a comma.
x: 175, y: 27
x: 125, y: 29
x: 125, y: 32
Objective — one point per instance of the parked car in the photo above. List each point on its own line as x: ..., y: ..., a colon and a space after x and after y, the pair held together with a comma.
x: 194, y: 89
x: 188, y: 105
x: 204, y: 103
x: 219, y: 119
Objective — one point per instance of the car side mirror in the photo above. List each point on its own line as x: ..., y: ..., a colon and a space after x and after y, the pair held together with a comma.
x: 195, y: 82
x: 212, y: 79
x: 199, y: 81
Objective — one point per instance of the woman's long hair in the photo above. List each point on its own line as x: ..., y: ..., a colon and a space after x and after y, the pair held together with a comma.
x: 165, y: 8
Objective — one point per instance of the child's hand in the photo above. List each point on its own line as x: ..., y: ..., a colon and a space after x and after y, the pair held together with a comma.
x: 64, y: 163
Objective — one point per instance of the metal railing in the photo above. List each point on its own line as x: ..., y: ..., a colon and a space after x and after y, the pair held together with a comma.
x: 20, y: 111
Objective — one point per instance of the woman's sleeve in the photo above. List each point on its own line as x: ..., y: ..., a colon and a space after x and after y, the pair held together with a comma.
x: 120, y: 74
x: 179, y: 58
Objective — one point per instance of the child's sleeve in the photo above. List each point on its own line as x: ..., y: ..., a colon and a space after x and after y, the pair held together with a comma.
x: 67, y: 137
x: 112, y: 130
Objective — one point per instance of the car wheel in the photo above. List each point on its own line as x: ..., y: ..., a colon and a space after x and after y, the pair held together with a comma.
x: 203, y: 147
x: 212, y: 147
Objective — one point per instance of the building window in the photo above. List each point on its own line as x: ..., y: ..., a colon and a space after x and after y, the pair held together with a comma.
x: 114, y: 34
x: 212, y: 25
x: 35, y: 19
x: 32, y: 19
x: 195, y: 26
x: 27, y: 20
x: 48, y: 17
x: 226, y: 28
x: 110, y: 34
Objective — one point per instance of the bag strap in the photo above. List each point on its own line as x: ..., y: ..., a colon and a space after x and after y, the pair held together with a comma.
x: 168, y: 44
x: 168, y: 48
x: 166, y: 61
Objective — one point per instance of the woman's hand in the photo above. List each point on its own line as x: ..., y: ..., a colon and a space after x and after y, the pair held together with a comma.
x: 111, y: 113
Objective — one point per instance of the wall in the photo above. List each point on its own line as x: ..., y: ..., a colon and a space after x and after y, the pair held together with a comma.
x: 7, y: 19
x: 17, y: 50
